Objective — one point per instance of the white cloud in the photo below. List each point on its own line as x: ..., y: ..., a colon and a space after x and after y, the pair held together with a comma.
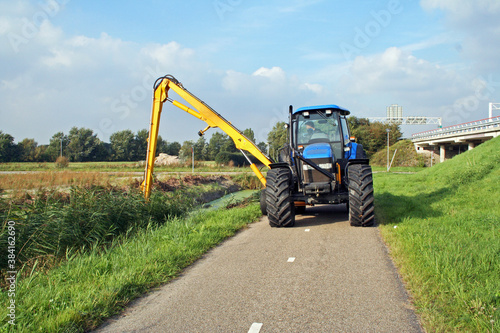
x: 478, y: 22
x: 273, y: 85
x: 421, y: 87
x: 464, y: 11
x: 275, y: 74
x: 101, y: 83
x: 399, y: 72
x: 298, y: 5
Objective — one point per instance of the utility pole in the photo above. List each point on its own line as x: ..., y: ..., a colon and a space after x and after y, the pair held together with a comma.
x: 192, y: 154
x: 493, y: 106
x: 388, y: 130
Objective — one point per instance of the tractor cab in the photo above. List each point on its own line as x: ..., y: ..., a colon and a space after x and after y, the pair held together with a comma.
x: 320, y: 127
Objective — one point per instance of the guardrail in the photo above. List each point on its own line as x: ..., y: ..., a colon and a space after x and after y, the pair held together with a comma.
x: 465, y: 128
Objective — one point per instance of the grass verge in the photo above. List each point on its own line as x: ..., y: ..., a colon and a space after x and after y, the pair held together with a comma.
x: 80, y: 293
x: 442, y: 226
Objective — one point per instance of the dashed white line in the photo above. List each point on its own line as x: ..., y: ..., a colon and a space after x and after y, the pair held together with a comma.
x: 255, y: 328
x: 291, y: 259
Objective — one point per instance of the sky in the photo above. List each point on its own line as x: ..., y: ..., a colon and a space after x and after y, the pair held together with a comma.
x: 92, y: 64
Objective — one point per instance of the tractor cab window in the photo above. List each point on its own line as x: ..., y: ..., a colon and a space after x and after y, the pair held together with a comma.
x: 320, y: 127
x: 345, y: 129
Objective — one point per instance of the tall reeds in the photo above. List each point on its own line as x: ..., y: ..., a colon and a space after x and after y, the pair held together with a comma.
x: 50, y: 223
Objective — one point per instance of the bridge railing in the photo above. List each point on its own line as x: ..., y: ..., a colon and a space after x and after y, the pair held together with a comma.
x: 470, y: 127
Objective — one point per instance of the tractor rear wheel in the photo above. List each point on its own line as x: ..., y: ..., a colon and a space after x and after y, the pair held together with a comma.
x: 280, y: 207
x: 361, y: 210
x: 263, y: 203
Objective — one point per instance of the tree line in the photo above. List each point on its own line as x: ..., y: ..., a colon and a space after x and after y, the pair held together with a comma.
x: 83, y: 145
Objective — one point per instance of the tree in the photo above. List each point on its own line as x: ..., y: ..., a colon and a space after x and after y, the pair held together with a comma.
x: 161, y: 146
x: 58, y: 144
x: 185, y: 151
x: 373, y: 136
x: 228, y: 144
x: 123, y: 145
x: 215, y: 145
x: 277, y: 138
x: 83, y: 145
x: 201, y: 149
x: 173, y: 148
x: 8, y: 149
x: 27, y: 150
x: 141, y: 144
x: 249, y: 134
x: 263, y: 147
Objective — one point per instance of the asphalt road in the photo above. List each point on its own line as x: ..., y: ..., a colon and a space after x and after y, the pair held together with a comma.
x: 320, y: 276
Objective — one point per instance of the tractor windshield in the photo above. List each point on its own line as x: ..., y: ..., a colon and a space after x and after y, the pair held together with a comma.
x: 317, y: 126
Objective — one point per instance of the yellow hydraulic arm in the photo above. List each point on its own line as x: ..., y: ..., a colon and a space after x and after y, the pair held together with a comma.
x: 201, y: 111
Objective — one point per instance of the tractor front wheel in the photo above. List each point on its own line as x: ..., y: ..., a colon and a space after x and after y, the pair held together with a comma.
x: 360, y: 206
x: 280, y: 207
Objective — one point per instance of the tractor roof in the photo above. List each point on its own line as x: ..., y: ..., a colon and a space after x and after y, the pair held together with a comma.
x: 332, y: 107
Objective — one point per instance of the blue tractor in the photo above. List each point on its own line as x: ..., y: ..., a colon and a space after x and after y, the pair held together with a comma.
x: 320, y: 164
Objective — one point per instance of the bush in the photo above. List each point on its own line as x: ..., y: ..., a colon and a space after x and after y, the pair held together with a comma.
x: 234, y: 159
x: 227, y: 158
x: 62, y: 162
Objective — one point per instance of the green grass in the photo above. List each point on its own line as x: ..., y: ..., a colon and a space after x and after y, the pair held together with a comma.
x: 87, y: 288
x: 397, y: 169
x: 406, y: 156
x: 442, y: 226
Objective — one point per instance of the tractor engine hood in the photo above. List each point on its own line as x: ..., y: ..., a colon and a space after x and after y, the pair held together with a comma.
x: 318, y: 150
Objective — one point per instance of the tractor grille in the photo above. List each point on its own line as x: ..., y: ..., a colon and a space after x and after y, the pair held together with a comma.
x: 311, y: 175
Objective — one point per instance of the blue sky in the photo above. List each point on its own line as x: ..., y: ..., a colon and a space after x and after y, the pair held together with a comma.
x: 66, y: 63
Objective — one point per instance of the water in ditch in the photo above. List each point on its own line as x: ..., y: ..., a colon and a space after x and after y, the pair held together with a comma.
x: 229, y: 199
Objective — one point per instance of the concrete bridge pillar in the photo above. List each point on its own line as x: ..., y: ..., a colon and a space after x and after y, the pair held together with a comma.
x: 471, y: 145
x: 442, y: 153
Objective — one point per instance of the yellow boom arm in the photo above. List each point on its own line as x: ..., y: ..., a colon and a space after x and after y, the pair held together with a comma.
x: 201, y: 111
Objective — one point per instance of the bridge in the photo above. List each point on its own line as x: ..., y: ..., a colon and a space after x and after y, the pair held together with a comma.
x: 453, y: 140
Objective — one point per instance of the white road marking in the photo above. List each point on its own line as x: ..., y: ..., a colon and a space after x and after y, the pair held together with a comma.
x: 291, y: 259
x: 255, y: 328
x: 307, y: 230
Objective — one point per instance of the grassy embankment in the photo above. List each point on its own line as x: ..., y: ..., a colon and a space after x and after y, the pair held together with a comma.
x: 442, y: 226
x: 83, y: 255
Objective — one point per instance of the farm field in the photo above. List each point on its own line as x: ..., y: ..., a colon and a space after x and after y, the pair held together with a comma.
x: 205, y: 166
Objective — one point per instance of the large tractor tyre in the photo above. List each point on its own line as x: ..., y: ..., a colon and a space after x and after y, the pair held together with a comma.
x: 280, y: 207
x: 361, y: 210
x: 263, y: 203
